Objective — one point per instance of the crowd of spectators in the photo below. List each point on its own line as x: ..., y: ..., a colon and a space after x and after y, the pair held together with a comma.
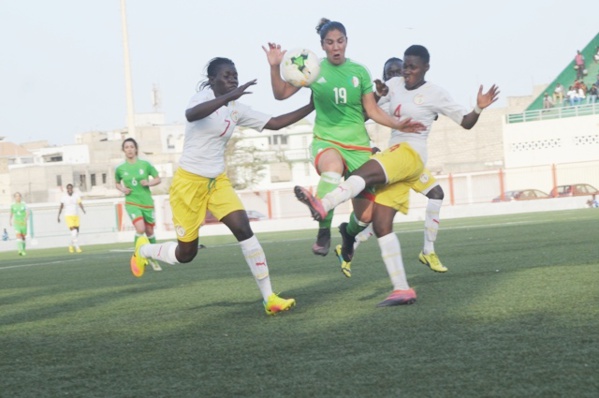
x: 579, y: 92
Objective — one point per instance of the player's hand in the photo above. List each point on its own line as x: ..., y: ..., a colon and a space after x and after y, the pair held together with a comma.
x: 484, y: 100
x: 409, y: 126
x: 381, y: 88
x: 274, y: 54
x: 239, y: 91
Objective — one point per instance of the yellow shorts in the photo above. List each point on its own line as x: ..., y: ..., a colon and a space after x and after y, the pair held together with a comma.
x: 405, y: 171
x: 72, y: 221
x: 191, y: 195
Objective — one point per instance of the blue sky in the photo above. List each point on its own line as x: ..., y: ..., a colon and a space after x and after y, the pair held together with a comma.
x: 62, y: 67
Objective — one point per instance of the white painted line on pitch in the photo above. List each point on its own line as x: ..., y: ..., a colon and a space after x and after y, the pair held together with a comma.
x: 35, y: 264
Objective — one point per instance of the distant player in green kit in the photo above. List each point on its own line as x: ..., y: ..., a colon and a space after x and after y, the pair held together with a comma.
x: 341, y: 95
x: 133, y: 179
x: 19, y: 214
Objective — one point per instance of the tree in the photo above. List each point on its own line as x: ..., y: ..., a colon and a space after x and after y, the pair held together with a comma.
x: 245, y: 164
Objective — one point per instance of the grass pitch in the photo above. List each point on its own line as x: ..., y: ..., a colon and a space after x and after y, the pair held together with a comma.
x: 517, y: 315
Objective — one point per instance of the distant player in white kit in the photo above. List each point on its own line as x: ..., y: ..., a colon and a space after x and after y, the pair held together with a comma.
x: 71, y: 202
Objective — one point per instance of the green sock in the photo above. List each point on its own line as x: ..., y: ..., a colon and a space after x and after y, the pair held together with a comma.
x: 328, y: 182
x: 354, y: 227
x: 152, y: 239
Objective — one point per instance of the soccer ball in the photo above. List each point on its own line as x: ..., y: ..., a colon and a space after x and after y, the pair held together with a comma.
x: 300, y: 67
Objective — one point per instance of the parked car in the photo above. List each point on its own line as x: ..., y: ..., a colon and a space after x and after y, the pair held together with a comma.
x: 522, y: 194
x: 573, y: 190
x: 254, y: 215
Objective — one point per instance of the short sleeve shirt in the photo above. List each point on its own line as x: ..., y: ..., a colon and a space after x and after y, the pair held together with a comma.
x: 423, y: 105
x: 337, y: 95
x: 71, y: 204
x: 206, y: 139
x: 131, y: 175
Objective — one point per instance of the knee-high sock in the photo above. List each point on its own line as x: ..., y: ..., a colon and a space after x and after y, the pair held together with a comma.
x: 431, y: 224
x: 329, y: 180
x: 363, y: 236
x: 391, y: 252
x: 74, y: 234
x: 151, y: 238
x: 256, y: 260
x: 160, y: 251
x: 355, y: 226
x: 347, y: 190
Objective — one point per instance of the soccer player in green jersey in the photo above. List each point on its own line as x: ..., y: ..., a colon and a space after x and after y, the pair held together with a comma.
x: 19, y: 214
x: 341, y: 95
x: 133, y: 179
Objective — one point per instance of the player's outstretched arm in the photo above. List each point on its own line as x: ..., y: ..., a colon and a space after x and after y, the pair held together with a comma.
x: 207, y: 108
x: 280, y: 88
x: 483, y: 100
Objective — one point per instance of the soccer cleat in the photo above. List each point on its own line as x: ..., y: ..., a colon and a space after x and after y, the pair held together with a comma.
x: 347, y: 244
x: 154, y: 264
x: 71, y: 249
x: 432, y: 261
x: 276, y: 304
x: 345, y: 265
x: 78, y: 250
x: 323, y: 242
x: 399, y: 297
x: 138, y: 263
x: 313, y: 203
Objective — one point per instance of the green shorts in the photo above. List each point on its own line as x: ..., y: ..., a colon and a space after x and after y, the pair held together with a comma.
x: 136, y: 213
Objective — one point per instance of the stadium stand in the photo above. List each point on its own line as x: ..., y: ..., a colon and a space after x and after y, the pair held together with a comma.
x: 568, y: 75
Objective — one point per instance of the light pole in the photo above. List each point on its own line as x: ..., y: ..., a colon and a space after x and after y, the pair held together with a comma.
x: 128, y: 85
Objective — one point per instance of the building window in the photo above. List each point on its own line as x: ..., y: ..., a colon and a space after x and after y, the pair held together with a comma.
x: 82, y: 182
x: 103, y: 178
x: 92, y: 179
x: 59, y: 181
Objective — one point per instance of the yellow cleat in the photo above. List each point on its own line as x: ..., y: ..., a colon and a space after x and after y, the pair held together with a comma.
x: 71, y: 249
x: 345, y: 265
x: 138, y: 263
x: 432, y: 261
x: 78, y: 250
x: 276, y: 304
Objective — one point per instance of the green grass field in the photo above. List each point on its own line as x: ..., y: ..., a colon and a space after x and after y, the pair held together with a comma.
x: 517, y: 315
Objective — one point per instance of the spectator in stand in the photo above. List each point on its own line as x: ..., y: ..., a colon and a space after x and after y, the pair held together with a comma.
x: 592, y: 94
x: 558, y: 94
x: 547, y: 101
x: 572, y: 97
x: 581, y: 93
x: 579, y: 65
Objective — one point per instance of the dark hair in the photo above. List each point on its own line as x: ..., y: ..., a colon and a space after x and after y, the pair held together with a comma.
x: 418, y: 51
x: 326, y: 25
x: 69, y: 185
x: 387, y: 62
x: 212, y: 70
x: 129, y: 140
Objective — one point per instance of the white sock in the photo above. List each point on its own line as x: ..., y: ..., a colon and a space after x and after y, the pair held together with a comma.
x: 391, y: 252
x: 431, y: 224
x: 363, y: 236
x: 347, y: 190
x: 74, y: 234
x: 160, y: 251
x: 256, y: 260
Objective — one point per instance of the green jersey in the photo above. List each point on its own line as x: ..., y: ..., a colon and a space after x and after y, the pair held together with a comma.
x: 19, y: 213
x: 337, y: 97
x: 130, y: 175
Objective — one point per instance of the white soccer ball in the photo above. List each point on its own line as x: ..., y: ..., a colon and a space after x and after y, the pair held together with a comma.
x: 300, y: 67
